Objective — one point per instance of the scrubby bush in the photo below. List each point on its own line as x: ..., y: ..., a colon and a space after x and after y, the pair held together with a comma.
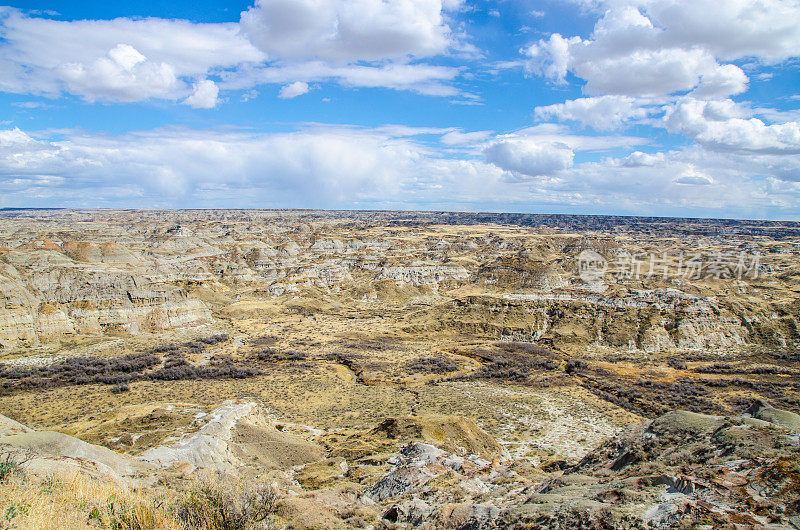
x: 8, y: 466
x: 263, y: 340
x: 575, y: 365
x: 82, y: 370
x: 509, y: 364
x: 715, y: 368
x: 273, y: 355
x: 120, y: 388
x: 223, y: 368
x: 676, y: 363
x: 174, y: 360
x: 438, y: 364
x: 120, y: 371
x: 164, y: 348
x: 214, y: 339
x: 216, y: 504
x: 524, y: 347
x: 194, y: 347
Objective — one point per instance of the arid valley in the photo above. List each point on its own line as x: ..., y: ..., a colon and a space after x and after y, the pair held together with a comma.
x: 315, y: 369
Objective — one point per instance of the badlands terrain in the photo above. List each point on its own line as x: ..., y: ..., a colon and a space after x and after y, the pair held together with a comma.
x: 313, y: 369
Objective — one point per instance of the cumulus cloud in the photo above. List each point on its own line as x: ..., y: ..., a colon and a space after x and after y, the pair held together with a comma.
x: 722, y: 81
x: 660, y: 47
x: 292, y: 90
x: 116, y: 60
x: 766, y: 29
x: 318, y: 166
x: 347, y: 30
x: 529, y: 157
x: 204, y: 96
x: 723, y: 126
x: 346, y: 166
x: 551, y: 57
x: 603, y: 113
x: 693, y: 177
x: 689, y: 181
x: 365, y: 43
x: 640, y: 159
x: 124, y: 74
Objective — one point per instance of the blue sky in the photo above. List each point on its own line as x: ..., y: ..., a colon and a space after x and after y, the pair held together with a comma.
x: 643, y: 107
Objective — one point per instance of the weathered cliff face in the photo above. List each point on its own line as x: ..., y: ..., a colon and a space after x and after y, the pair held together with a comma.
x: 46, y: 295
x: 581, y: 321
x: 139, y: 273
x: 418, y: 273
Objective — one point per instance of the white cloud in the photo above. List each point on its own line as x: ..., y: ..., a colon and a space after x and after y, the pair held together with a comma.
x: 551, y: 57
x: 422, y: 78
x: 639, y: 159
x: 690, y: 181
x: 692, y: 177
x: 660, y: 47
x: 766, y: 29
x: 528, y: 157
x: 347, y: 30
x: 115, y: 60
x: 204, y: 96
x: 648, y: 72
x: 364, y: 43
x: 462, y: 138
x: 560, y: 134
x: 603, y: 113
x: 722, y: 81
x: 123, y: 74
x: 723, y: 125
x: 345, y: 166
x: 190, y: 48
x: 319, y: 166
x: 292, y: 90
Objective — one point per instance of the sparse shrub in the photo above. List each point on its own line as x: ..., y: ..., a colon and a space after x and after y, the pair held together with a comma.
x: 214, y: 339
x: 122, y: 515
x: 194, y: 346
x: 224, y: 368
x: 120, y: 388
x: 273, y: 355
x: 676, y: 363
x: 215, y: 504
x: 8, y: 466
x: 575, y: 365
x: 509, y: 364
x: 378, y: 343
x: 119, y: 371
x: 175, y: 373
x: 524, y: 347
x: 82, y: 370
x: 716, y: 368
x: 221, y: 358
x: 164, y: 348
x: 763, y: 370
x: 174, y: 360
x: 431, y: 365
x: 652, y: 398
x: 263, y: 340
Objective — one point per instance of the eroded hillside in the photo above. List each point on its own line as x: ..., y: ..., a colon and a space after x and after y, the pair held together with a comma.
x: 308, y: 349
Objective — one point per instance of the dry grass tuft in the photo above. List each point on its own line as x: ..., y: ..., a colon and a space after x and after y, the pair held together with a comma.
x: 79, y: 503
x: 211, y: 503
